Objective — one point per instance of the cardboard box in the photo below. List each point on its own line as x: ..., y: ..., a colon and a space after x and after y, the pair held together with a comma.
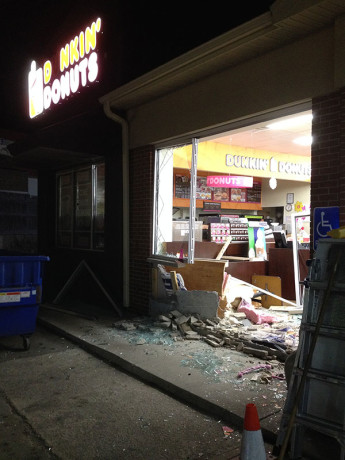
x: 181, y: 230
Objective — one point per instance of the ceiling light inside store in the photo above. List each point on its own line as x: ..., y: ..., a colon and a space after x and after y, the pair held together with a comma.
x: 303, y: 140
x: 290, y: 123
x: 273, y: 183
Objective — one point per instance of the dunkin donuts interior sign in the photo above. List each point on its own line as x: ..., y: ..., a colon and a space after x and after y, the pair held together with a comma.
x: 230, y: 181
x: 77, y: 67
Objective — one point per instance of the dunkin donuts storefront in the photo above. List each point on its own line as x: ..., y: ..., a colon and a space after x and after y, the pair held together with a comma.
x: 262, y: 101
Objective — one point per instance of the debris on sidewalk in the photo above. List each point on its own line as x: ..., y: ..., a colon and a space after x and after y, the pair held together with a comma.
x: 264, y: 341
x: 227, y: 431
x: 241, y: 324
x: 253, y: 369
x: 241, y: 320
x: 254, y: 315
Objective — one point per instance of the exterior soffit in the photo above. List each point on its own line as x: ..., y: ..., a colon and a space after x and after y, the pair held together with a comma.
x: 279, y: 27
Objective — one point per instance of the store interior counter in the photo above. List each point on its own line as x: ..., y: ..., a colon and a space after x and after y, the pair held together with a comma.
x: 281, y: 264
x: 240, y: 267
x: 207, y: 249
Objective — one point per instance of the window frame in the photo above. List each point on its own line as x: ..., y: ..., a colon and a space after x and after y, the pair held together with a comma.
x: 93, y: 201
x: 156, y: 256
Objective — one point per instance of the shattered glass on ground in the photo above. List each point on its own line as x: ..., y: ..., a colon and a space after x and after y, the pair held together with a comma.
x: 142, y: 332
x: 218, y: 365
x: 212, y: 365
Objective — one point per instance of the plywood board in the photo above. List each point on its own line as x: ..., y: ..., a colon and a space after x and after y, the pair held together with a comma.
x: 174, y: 280
x: 271, y: 284
x: 224, y: 248
x: 286, y: 309
x: 235, y: 258
x: 203, y: 275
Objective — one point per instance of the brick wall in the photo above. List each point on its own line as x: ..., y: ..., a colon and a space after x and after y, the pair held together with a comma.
x: 328, y: 153
x: 141, y: 182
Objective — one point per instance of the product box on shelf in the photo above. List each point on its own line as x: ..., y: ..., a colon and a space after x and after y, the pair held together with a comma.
x: 219, y: 232
x: 181, y: 230
x: 236, y: 228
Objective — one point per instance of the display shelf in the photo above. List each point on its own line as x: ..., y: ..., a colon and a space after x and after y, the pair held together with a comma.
x: 184, y: 203
x: 236, y: 228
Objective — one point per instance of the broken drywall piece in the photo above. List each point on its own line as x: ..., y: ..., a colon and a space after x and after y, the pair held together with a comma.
x: 181, y: 319
x: 203, y: 303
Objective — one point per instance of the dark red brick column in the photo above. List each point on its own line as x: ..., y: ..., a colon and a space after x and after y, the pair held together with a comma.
x: 141, y: 183
x: 328, y: 153
x: 341, y: 166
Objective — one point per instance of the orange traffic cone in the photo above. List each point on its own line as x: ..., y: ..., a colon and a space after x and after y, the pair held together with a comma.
x: 252, y: 446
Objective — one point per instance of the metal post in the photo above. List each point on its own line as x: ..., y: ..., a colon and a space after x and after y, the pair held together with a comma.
x: 192, y: 201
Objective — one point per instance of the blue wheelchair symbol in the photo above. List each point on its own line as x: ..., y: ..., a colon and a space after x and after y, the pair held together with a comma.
x: 324, y: 226
x: 325, y: 220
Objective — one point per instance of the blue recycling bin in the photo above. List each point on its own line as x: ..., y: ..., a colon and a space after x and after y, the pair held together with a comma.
x: 20, y: 294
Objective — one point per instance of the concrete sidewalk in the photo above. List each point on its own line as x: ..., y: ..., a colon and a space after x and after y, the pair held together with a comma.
x: 190, y: 370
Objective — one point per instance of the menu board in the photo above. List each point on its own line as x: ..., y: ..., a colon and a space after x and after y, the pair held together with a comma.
x: 203, y: 192
x: 254, y: 194
x: 238, y: 195
x: 182, y: 186
x: 222, y: 194
x: 212, y: 206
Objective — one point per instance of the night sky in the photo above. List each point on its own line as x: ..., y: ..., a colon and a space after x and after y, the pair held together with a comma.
x: 137, y: 37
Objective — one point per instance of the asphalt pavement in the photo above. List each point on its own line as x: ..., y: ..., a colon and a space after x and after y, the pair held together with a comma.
x: 59, y: 402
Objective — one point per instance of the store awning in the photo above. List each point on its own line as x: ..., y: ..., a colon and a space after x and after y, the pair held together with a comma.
x: 285, y: 23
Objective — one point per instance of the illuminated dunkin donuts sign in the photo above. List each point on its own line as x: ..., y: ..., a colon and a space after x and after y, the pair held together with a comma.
x: 76, y: 67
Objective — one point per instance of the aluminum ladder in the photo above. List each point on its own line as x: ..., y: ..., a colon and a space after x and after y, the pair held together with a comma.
x: 316, y: 391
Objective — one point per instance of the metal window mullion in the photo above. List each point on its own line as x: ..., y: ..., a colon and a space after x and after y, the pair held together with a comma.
x: 155, y: 201
x: 74, y: 210
x: 93, y: 201
x: 57, y: 208
x: 192, y: 201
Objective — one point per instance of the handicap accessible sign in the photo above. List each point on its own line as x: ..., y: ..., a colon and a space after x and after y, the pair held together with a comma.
x: 325, y: 220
